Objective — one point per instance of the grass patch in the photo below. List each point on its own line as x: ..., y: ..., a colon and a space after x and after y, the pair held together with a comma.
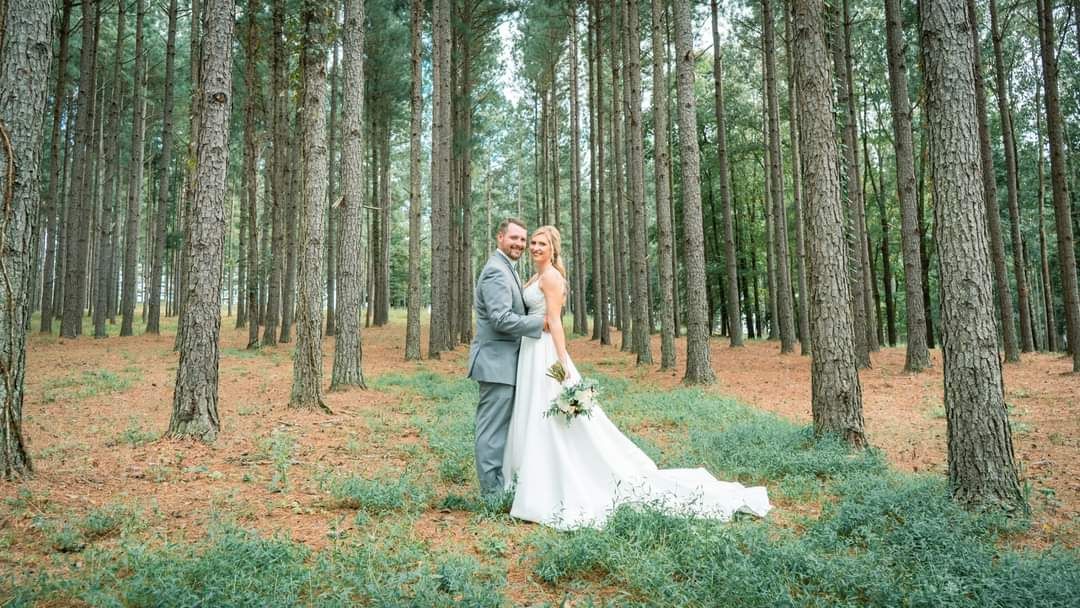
x: 231, y: 566
x: 85, y: 385
x: 278, y: 449
x: 134, y: 435
x: 377, y: 496
x: 890, y: 541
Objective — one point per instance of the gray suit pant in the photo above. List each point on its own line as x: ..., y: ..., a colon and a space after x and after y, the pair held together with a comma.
x: 492, y: 425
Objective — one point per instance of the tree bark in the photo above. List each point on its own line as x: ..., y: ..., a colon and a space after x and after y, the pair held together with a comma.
x: 785, y: 310
x: 1044, y: 256
x: 184, y: 208
x: 731, y: 262
x: 797, y: 193
x: 836, y: 401
x: 348, y: 354
x: 1056, y: 136
x: 195, y: 400
x: 439, y: 338
x: 153, y: 318
x: 251, y: 177
x: 581, y: 323
x: 332, y: 195
x: 698, y: 367
x: 861, y: 301
x: 107, y: 225
x: 135, y: 179
x: 279, y: 172
x: 308, y: 356
x: 54, y: 199
x: 993, y: 220
x: 25, y: 55
x: 291, y: 219
x: 80, y: 206
x: 981, y: 466
x: 603, y: 259
x: 665, y: 235
x: 877, y: 186
x: 639, y: 249
x: 917, y: 356
x: 1027, y: 341
x: 412, y: 323
x: 770, y: 232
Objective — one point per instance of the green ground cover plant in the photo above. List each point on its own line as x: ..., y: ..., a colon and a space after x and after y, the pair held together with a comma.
x: 848, y: 530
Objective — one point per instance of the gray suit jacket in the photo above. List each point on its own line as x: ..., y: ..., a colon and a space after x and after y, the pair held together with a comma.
x: 500, y: 323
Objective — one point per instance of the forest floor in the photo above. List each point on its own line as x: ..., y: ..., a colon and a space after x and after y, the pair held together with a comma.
x: 95, y: 410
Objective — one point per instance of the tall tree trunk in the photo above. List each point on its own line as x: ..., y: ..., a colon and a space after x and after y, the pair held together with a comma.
x: 348, y: 355
x: 836, y: 394
x: 603, y: 259
x: 107, y: 225
x: 80, y: 207
x: 184, y: 209
x: 1027, y: 340
x: 439, y: 339
x: 294, y: 201
x: 639, y: 247
x: 735, y: 323
x: 62, y: 213
x: 917, y: 356
x: 412, y: 323
x: 54, y: 199
x: 153, y: 319
x: 981, y: 466
x: 665, y: 236
x: 619, y: 176
x: 698, y: 367
x: 1044, y: 256
x: 861, y: 301
x: 1056, y: 136
x: 308, y: 356
x: 581, y: 323
x: 251, y: 177
x: 135, y: 179
x: 383, y: 276
x: 195, y: 400
x: 993, y: 220
x: 770, y: 234
x: 25, y: 55
x: 797, y: 191
x: 331, y: 195
x: 877, y: 186
x: 279, y: 176
x: 785, y: 310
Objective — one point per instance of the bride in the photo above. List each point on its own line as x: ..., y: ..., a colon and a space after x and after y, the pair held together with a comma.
x: 572, y: 474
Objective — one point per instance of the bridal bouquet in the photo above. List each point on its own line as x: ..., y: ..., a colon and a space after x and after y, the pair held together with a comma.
x: 574, y: 400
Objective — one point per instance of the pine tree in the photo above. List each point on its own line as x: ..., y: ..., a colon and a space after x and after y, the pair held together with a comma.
x: 25, y: 51
x: 195, y: 400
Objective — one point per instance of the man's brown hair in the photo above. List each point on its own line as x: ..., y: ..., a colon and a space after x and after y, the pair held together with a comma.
x: 503, y: 225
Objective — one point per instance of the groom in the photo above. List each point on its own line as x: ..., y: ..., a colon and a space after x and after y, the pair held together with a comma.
x: 493, y: 356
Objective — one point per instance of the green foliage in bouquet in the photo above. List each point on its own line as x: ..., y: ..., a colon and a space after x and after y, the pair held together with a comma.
x: 575, y: 400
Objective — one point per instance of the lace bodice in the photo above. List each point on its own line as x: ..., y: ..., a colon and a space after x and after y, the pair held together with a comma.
x: 535, y: 304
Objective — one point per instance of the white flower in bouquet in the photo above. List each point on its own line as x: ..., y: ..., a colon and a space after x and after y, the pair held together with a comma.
x: 573, y: 400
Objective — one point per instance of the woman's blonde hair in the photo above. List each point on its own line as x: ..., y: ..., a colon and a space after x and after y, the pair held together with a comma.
x: 556, y: 246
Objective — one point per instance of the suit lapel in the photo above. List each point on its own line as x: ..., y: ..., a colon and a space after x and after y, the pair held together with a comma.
x: 509, y: 266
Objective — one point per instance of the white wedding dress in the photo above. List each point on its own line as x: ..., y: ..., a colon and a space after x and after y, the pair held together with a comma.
x: 574, y: 474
